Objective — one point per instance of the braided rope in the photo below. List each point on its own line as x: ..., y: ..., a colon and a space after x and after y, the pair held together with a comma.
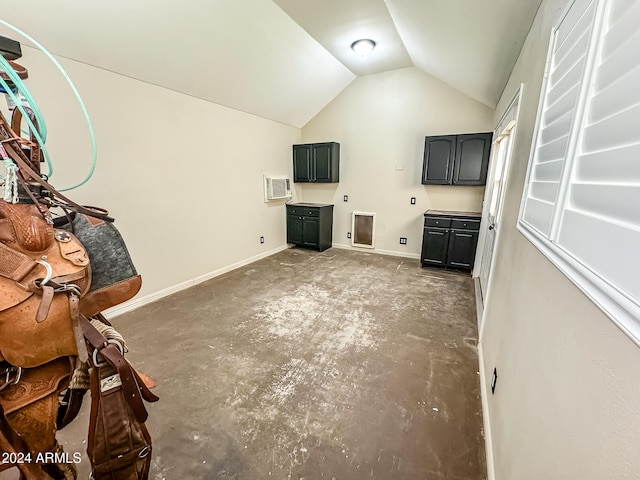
x: 80, y: 377
x: 109, y: 332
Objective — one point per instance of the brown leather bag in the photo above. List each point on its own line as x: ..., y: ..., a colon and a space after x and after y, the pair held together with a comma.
x: 119, y: 445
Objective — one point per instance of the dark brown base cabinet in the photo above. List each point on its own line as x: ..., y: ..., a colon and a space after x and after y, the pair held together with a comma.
x: 310, y: 225
x: 450, y: 239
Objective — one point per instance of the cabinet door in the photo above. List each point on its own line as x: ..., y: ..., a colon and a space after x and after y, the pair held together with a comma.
x: 322, y: 162
x: 302, y: 163
x: 434, y: 246
x: 472, y: 159
x: 326, y: 162
x: 462, y: 248
x: 439, y: 154
x: 310, y: 231
x: 294, y: 229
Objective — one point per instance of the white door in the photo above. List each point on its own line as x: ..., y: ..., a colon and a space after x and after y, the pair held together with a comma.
x: 502, y: 149
x: 494, y: 193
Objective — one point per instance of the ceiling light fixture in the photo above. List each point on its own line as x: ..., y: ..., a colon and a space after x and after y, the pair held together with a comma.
x: 363, y: 47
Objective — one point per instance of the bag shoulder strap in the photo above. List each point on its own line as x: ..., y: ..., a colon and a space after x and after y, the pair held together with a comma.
x: 134, y: 388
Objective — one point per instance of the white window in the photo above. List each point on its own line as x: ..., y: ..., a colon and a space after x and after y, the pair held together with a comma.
x: 581, y: 202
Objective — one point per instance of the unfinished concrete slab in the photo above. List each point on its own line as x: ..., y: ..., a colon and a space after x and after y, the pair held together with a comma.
x: 338, y: 365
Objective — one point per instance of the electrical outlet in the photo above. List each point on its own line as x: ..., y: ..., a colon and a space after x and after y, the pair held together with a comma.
x: 494, y: 380
x: 345, y: 198
x: 348, y: 234
x: 413, y: 200
x: 403, y: 241
x: 261, y: 239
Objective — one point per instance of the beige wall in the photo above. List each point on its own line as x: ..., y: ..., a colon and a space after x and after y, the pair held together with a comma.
x: 381, y: 121
x: 568, y: 385
x: 182, y: 177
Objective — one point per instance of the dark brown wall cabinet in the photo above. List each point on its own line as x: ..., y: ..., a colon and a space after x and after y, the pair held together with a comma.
x: 310, y: 225
x: 449, y: 239
x: 316, y: 162
x: 456, y: 159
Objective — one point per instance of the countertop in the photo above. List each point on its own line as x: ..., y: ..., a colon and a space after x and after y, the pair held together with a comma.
x: 448, y: 213
x: 310, y: 204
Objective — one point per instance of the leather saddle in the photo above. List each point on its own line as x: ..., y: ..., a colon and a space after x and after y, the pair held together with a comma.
x: 37, y: 262
x: 43, y: 273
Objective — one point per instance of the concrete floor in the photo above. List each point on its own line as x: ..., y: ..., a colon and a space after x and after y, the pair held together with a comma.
x: 338, y: 365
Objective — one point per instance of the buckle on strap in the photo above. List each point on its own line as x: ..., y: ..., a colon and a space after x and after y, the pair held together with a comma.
x: 71, y: 288
x: 96, y: 352
x: 18, y: 375
x: 12, y: 375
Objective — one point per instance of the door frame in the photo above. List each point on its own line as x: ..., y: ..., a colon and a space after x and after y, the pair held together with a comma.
x: 502, y: 124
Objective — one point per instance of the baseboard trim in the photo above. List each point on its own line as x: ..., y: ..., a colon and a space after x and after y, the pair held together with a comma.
x: 479, y: 306
x: 415, y: 256
x: 484, y: 396
x: 152, y: 297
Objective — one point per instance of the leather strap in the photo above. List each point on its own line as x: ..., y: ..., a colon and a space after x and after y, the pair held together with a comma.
x: 70, y: 409
x: 28, y: 174
x: 24, y: 167
x: 45, y: 303
x: 21, y: 71
x: 74, y: 310
x: 44, y: 211
x: 35, y: 151
x: 134, y: 388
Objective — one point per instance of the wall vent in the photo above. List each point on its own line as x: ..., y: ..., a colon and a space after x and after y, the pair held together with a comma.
x: 276, y: 188
x: 363, y: 227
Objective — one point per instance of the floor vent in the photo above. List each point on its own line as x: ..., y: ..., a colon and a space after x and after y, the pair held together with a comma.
x: 363, y: 227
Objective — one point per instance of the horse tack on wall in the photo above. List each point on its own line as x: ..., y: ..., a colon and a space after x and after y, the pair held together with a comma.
x: 57, y: 273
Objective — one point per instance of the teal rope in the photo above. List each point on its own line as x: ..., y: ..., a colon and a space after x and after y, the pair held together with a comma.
x: 94, y: 155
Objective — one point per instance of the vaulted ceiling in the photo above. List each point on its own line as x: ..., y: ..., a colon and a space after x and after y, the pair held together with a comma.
x: 282, y: 59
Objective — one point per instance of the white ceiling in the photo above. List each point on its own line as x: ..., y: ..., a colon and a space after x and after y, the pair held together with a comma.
x: 282, y: 59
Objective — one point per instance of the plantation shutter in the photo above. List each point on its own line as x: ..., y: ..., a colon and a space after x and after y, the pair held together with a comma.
x: 561, y: 91
x: 600, y: 220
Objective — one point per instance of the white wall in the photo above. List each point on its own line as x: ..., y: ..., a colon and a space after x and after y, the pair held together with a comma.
x: 381, y: 121
x: 568, y: 385
x: 182, y: 177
